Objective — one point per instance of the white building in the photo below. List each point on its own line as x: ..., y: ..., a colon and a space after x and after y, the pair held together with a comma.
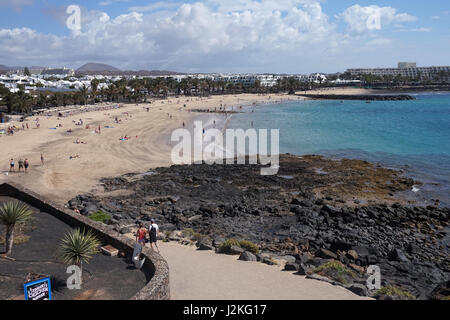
x: 64, y: 72
x: 405, y: 69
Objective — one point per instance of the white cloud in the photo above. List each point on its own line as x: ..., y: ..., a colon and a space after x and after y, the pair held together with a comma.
x: 365, y: 19
x: 16, y: 4
x: 415, y: 30
x: 239, y: 35
x: 245, y: 34
x: 379, y: 42
x: 109, y: 2
x: 155, y: 6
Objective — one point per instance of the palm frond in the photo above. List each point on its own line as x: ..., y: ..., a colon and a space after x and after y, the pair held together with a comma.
x: 78, y: 246
x: 14, y: 212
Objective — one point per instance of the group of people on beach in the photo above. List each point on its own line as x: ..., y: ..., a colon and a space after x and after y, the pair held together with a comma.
x: 22, y: 165
x: 148, y: 235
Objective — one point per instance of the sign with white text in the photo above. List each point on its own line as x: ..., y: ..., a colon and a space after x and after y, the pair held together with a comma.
x: 38, y: 290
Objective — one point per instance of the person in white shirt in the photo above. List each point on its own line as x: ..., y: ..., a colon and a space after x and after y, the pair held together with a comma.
x: 153, y: 231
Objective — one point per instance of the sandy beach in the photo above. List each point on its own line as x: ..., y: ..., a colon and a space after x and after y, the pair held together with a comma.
x: 104, y: 154
x: 344, y: 91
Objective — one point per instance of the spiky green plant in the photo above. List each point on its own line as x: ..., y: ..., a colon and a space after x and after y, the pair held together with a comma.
x: 11, y: 214
x: 77, y: 247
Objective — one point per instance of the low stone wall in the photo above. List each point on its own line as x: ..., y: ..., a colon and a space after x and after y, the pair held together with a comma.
x: 155, y: 267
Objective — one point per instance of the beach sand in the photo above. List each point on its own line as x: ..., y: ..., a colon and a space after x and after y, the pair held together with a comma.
x: 104, y: 155
x: 343, y: 91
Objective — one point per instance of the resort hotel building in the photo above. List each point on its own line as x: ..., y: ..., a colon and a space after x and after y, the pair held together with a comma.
x: 406, y: 69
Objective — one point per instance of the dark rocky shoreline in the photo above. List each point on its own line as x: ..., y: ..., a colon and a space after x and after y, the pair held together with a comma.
x: 314, y: 211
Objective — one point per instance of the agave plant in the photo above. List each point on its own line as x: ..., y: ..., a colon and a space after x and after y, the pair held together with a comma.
x: 77, y: 247
x: 11, y: 214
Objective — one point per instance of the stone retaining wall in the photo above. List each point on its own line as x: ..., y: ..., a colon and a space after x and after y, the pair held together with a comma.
x: 155, y: 267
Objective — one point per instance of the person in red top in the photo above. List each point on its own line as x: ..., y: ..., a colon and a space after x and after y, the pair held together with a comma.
x: 141, y: 234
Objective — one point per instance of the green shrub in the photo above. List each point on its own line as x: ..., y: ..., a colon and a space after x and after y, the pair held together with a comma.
x: 394, y: 291
x: 335, y: 270
x: 187, y: 233
x: 249, y: 246
x: 198, y: 236
x: 227, y: 244
x: 100, y: 216
x: 192, y: 235
x: 244, y: 244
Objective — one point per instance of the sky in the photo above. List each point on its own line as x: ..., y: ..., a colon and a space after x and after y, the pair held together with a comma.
x: 245, y: 36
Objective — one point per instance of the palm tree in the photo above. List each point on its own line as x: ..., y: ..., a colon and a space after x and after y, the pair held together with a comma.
x: 137, y: 86
x: 77, y: 247
x: 12, y: 213
x: 94, y: 89
x: 186, y: 86
x: 111, y: 93
x: 84, y: 94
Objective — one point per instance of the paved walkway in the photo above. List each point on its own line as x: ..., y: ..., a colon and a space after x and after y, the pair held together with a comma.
x: 198, y: 275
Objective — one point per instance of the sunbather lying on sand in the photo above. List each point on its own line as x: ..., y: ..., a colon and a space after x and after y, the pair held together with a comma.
x: 79, y: 141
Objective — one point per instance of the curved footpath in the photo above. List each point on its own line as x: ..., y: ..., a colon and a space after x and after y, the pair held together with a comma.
x: 204, y: 275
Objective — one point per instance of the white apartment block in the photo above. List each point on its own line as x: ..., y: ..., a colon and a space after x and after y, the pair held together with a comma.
x: 405, y: 69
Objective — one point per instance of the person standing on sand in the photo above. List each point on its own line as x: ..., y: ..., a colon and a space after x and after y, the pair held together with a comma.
x: 11, y: 165
x: 140, y: 235
x: 154, y: 233
x: 20, y: 164
x: 26, y: 164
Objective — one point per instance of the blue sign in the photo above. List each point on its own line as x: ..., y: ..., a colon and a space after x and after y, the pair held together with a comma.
x: 38, y: 290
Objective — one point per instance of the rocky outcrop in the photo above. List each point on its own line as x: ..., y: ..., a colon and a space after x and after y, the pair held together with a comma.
x: 311, y: 217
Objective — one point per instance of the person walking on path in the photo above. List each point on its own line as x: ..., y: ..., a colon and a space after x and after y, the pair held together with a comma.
x: 140, y: 235
x: 11, y: 165
x: 154, y: 233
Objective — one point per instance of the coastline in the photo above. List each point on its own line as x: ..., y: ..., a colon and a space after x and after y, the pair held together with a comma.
x: 300, y: 215
x: 149, y: 147
x: 423, y: 166
x: 103, y: 155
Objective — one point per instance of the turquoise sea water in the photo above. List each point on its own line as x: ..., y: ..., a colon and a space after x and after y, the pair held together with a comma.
x: 410, y: 135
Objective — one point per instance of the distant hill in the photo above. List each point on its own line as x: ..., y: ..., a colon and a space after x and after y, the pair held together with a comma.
x: 107, y: 70
x: 6, y: 68
x: 99, y: 67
